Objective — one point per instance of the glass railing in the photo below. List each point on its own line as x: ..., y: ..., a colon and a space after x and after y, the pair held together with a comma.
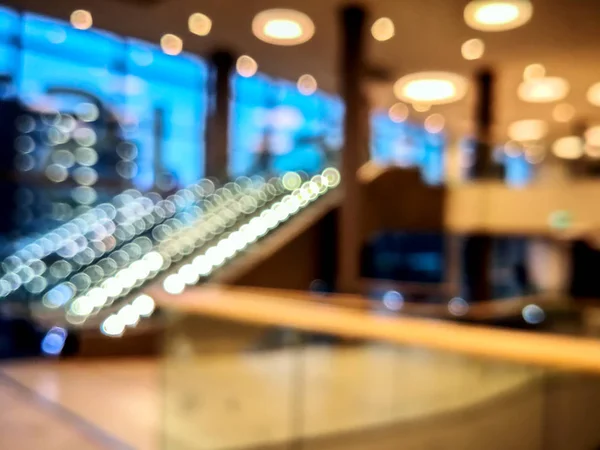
x: 94, y: 269
x: 253, y: 371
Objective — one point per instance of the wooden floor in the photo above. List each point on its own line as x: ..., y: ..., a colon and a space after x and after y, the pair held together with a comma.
x: 239, y: 400
x: 28, y: 424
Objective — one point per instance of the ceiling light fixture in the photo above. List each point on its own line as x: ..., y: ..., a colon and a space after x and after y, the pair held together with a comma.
x: 383, y: 29
x: 307, y: 85
x: 569, y: 147
x: 593, y: 94
x: 528, y: 130
x: 592, y: 136
x: 472, y: 49
x: 398, y: 113
x: 171, y: 44
x: 283, y: 27
x: 246, y: 66
x: 497, y: 15
x: 435, y: 123
x: 543, y: 90
x: 563, y: 112
x: 81, y: 19
x: 534, y: 71
x: 431, y: 88
x: 199, y: 24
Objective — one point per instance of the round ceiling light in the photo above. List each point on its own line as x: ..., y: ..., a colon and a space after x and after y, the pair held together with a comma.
x: 246, y: 66
x: 534, y: 71
x: 383, y: 29
x: 171, y: 44
x: 199, y: 24
x: 307, y: 85
x: 528, y: 130
x: 592, y: 136
x: 431, y: 88
x: 81, y: 19
x: 472, y: 49
x: 593, y: 94
x: 398, y: 113
x: 563, y: 112
x: 543, y: 90
x: 283, y: 27
x: 434, y: 123
x: 569, y: 147
x: 497, y: 15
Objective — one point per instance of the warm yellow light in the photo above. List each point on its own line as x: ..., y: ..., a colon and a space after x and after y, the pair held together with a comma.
x: 563, y: 112
x: 497, y: 15
x: 543, y: 90
x: 383, y: 29
x: 435, y: 123
x: 283, y: 27
x: 472, y: 49
x: 592, y: 136
x: 81, y: 19
x: 171, y: 44
x: 421, y: 107
x: 246, y: 66
x: 307, y: 85
x: 199, y: 24
x: 528, y: 130
x: 534, y: 71
x: 398, y: 113
x: 431, y: 88
x: 569, y: 147
x: 593, y: 94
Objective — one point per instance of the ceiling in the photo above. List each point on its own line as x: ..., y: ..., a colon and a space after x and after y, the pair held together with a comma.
x: 563, y: 35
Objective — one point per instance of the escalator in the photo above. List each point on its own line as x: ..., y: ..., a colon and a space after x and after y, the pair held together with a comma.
x: 94, y: 272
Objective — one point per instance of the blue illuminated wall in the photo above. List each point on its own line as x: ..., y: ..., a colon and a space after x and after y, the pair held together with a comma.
x: 298, y: 132
x: 42, y: 60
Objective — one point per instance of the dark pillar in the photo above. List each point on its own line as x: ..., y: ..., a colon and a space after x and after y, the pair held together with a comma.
x: 217, y: 124
x: 356, y: 122
x: 478, y: 247
x: 158, y: 135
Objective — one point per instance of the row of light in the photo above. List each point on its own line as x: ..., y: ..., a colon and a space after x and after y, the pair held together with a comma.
x: 133, y: 214
x: 148, y: 266
x: 215, y: 256
x: 249, y: 233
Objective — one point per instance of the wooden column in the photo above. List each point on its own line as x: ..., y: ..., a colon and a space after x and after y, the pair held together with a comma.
x: 355, y: 149
x: 478, y: 247
x: 217, y: 124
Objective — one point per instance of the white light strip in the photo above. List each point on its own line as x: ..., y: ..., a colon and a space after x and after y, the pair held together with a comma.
x: 214, y: 257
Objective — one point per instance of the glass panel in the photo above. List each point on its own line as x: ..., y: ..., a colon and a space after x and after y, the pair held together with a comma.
x: 234, y: 385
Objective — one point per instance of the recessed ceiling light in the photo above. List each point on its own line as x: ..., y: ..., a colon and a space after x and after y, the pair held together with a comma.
x: 435, y: 123
x: 593, y: 94
x: 199, y: 24
x: 534, y: 71
x: 543, y: 90
x: 171, y: 44
x: 497, y: 15
x: 283, y: 27
x: 246, y: 66
x: 81, y: 19
x: 472, y: 49
x: 383, y: 29
x: 421, y: 107
x: 528, y: 130
x: 592, y: 136
x: 431, y: 88
x: 307, y: 85
x: 569, y: 147
x: 563, y: 112
x: 398, y: 113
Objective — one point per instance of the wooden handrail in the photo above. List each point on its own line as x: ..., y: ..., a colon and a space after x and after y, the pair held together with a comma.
x: 264, y: 308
